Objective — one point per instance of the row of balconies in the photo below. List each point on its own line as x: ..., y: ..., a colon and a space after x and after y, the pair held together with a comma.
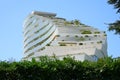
x: 41, y: 45
x: 39, y: 33
x: 40, y: 38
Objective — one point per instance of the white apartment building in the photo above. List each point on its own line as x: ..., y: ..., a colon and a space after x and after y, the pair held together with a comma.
x: 46, y: 34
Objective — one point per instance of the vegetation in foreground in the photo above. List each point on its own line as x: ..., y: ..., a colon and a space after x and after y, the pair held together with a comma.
x: 66, y: 69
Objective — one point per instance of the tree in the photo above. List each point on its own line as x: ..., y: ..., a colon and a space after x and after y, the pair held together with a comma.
x: 116, y: 4
x: 77, y: 22
x: 116, y: 25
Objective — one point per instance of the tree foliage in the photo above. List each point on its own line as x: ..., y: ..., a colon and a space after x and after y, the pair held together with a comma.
x: 116, y: 4
x: 66, y: 69
x: 115, y: 26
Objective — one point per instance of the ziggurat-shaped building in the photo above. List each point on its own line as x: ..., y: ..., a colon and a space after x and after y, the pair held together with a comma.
x: 46, y: 34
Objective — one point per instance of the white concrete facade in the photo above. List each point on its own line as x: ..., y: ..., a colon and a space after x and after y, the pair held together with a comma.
x: 46, y: 34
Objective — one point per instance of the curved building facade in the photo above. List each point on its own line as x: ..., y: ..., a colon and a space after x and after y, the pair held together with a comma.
x: 38, y: 32
x: 46, y: 34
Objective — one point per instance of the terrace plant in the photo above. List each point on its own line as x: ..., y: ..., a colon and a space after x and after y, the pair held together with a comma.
x: 86, y: 32
x: 62, y: 44
x: 97, y: 32
x: 76, y: 22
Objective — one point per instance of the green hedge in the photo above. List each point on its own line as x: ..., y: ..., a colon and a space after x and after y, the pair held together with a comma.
x: 66, y: 69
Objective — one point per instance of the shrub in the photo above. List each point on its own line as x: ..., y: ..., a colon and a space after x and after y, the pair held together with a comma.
x: 67, y: 69
x: 97, y: 32
x: 86, y: 32
x: 62, y: 44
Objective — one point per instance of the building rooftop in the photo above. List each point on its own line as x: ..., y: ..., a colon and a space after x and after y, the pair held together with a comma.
x: 43, y: 13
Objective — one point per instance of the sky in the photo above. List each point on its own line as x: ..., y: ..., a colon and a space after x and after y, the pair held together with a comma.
x: 96, y: 13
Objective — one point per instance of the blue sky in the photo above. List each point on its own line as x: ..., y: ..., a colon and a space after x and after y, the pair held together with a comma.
x: 13, y: 12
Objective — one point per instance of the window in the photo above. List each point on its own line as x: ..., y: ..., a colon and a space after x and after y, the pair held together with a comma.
x: 76, y: 35
x: 80, y: 43
x: 67, y: 35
